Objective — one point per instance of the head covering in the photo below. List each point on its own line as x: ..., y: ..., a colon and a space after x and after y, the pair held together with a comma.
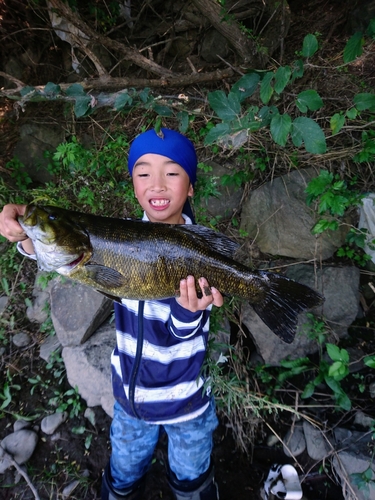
x: 171, y: 144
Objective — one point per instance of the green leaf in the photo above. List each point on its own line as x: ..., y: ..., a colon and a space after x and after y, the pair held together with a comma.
x: 246, y: 86
x: 324, y: 225
x: 226, y: 107
x: 183, y: 121
x: 266, y: 89
x: 298, y: 69
x: 308, y: 391
x: 310, y: 45
x: 52, y: 89
x: 282, y: 78
x: 369, y: 361
x: 162, y: 110
x: 217, y: 132
x: 26, y: 90
x: 353, y: 47
x: 337, y: 122
x: 333, y: 352
x: 308, y: 131
x: 364, y: 101
x: 280, y: 128
x: 352, y: 113
x: 122, y: 100
x: 75, y: 90
x: 82, y: 105
x: 343, y: 401
x: 309, y: 99
x: 144, y: 95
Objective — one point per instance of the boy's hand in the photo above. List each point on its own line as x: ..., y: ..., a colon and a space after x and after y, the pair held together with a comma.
x: 188, y: 295
x: 9, y: 226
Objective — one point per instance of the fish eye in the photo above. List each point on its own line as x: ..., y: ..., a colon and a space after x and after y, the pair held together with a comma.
x: 52, y: 217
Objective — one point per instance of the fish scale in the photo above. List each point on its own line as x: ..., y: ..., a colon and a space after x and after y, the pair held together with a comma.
x: 125, y: 258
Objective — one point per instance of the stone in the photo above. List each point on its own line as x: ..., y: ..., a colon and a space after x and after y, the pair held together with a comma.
x: 88, y: 367
x: 363, y: 420
x: 38, y: 311
x: 77, y: 311
x: 50, y: 345
x: 340, y: 287
x: 214, y: 45
x: 294, y: 442
x: 21, y: 424
x: 354, y: 456
x: 277, y: 217
x: 20, y: 445
x: 3, y: 303
x: 52, y: 422
x: 21, y: 339
x: 229, y: 197
x: 316, y: 443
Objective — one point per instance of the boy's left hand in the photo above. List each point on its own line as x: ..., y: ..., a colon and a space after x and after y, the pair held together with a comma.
x: 189, y: 299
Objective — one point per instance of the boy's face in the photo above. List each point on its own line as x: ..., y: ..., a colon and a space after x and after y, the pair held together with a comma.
x: 161, y: 187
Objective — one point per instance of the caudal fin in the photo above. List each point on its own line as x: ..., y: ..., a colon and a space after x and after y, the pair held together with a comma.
x: 285, y: 300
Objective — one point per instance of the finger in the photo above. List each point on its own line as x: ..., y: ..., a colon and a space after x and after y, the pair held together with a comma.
x: 218, y: 299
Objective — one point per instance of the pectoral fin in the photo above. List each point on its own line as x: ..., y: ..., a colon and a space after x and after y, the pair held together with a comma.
x: 105, y: 276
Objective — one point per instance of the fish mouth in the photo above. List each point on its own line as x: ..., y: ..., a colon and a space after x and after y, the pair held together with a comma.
x: 75, y: 262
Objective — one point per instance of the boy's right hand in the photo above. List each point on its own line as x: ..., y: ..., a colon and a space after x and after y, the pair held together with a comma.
x: 9, y: 226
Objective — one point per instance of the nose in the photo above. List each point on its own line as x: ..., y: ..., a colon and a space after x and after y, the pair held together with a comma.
x: 158, y: 183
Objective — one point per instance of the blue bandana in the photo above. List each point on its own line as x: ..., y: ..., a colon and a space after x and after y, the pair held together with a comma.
x: 173, y: 145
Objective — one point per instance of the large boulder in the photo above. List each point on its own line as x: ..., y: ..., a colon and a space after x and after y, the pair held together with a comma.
x: 277, y: 217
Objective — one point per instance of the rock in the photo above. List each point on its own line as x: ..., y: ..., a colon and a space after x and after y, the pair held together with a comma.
x: 52, y: 422
x: 35, y: 139
x: 229, y: 197
x: 317, y: 445
x: 21, y: 339
x: 277, y: 218
x: 354, y: 457
x: 3, y: 304
x: 363, y: 420
x: 92, y: 362
x: 90, y: 415
x: 50, y: 345
x: 294, y: 442
x: 340, y: 287
x: 372, y: 390
x: 20, y: 445
x: 38, y: 311
x: 77, y: 311
x: 21, y: 424
x: 214, y: 45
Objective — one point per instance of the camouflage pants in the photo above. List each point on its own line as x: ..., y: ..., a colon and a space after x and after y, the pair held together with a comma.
x: 133, y: 442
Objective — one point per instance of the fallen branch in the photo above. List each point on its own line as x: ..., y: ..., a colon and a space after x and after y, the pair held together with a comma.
x: 24, y: 474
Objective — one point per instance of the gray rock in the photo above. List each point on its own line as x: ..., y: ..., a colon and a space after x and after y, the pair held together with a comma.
x: 372, y: 389
x: 77, y: 311
x: 363, y: 420
x: 20, y: 445
x: 50, y: 345
x: 92, y: 362
x: 294, y: 442
x: 277, y: 218
x: 229, y: 197
x: 52, y: 422
x: 38, y: 311
x: 316, y: 443
x: 3, y: 304
x: 21, y: 424
x: 214, y: 45
x: 340, y: 288
x: 353, y: 457
x: 21, y: 339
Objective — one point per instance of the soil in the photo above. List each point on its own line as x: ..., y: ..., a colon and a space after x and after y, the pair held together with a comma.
x: 63, y: 458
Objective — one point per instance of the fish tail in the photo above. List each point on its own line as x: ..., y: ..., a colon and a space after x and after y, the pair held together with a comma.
x: 284, y: 300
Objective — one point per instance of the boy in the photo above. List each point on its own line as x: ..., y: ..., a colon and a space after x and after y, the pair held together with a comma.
x: 161, y: 345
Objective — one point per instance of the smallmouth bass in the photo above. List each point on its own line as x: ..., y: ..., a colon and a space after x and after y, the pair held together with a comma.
x: 125, y: 258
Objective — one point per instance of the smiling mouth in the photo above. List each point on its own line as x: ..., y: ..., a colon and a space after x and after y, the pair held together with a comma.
x: 159, y: 203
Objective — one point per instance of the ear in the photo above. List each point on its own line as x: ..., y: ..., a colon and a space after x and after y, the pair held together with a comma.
x: 191, y: 190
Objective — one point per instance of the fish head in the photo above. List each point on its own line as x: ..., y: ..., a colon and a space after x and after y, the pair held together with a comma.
x: 59, y: 241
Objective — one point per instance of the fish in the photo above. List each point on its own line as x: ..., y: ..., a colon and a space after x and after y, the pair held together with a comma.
x: 141, y: 260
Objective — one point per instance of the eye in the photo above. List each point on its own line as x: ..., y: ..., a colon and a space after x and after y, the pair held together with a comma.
x: 52, y: 217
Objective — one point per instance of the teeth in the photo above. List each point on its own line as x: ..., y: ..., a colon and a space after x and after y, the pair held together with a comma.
x: 159, y: 203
